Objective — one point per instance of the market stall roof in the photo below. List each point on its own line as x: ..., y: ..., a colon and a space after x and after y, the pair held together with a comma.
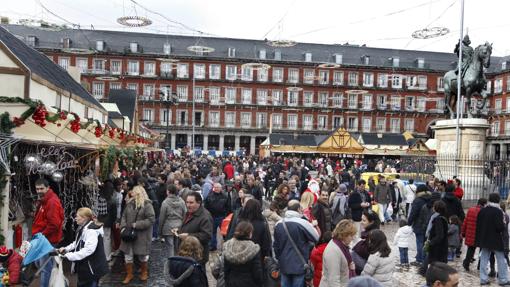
x: 340, y: 141
x: 381, y: 139
x: 42, y: 66
x: 296, y: 139
x: 125, y: 100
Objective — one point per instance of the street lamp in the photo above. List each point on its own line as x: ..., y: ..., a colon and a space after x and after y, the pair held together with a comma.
x: 168, y: 100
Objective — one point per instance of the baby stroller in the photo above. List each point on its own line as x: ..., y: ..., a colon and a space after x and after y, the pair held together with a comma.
x: 34, y: 250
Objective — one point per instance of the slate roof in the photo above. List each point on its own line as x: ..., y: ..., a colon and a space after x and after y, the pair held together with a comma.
x: 246, y: 49
x: 42, y: 66
x: 299, y: 139
x: 125, y: 100
x: 381, y: 139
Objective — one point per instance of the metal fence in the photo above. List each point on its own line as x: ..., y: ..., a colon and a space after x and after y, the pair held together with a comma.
x: 479, y: 174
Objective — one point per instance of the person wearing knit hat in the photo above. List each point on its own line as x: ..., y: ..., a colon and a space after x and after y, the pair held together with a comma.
x: 363, y: 281
x: 11, y: 260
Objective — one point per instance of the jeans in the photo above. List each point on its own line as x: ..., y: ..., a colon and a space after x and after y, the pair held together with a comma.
x: 451, y: 253
x: 404, y: 259
x: 217, y: 223
x: 46, y: 271
x: 420, y: 240
x: 293, y: 280
x: 170, y: 246
x: 155, y: 228
x: 502, y: 266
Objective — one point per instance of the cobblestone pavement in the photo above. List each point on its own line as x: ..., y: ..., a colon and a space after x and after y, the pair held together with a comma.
x: 401, y: 277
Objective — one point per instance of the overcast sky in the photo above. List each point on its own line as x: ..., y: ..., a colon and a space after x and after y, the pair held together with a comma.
x: 376, y: 23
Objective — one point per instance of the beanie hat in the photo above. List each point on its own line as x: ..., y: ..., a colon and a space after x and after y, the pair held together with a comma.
x: 342, y: 188
x: 4, y: 253
x: 363, y: 281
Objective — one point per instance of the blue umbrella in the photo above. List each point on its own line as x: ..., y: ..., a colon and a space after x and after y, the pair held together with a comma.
x: 39, y: 247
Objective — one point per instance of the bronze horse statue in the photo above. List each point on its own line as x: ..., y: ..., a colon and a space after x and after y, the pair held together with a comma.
x: 473, y: 82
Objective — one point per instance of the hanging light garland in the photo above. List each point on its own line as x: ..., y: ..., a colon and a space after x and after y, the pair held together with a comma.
x: 429, y: 33
x: 282, y: 43
x: 134, y: 21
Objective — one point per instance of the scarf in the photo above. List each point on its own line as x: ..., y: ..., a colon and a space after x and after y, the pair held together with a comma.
x: 347, y: 254
x: 429, y: 225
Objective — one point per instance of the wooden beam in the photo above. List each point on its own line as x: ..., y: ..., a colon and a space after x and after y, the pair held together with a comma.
x: 11, y: 71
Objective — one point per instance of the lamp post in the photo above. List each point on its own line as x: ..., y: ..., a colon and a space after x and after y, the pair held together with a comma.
x: 460, y: 105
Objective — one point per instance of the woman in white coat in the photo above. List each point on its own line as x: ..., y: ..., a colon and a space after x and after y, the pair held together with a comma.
x: 380, y: 264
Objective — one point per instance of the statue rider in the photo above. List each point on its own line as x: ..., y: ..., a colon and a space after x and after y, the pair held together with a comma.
x: 467, y: 54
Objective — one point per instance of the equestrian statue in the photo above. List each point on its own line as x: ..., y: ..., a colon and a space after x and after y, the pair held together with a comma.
x: 472, y: 75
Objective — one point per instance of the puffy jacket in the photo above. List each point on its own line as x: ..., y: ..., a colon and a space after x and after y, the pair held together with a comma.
x: 453, y: 235
x: 49, y: 217
x: 380, y: 268
x: 316, y: 260
x: 217, y: 204
x: 171, y: 215
x: 453, y: 206
x: 229, y: 170
x: 243, y: 266
x: 186, y: 272
x: 403, y: 236
x: 421, y: 199
x: 469, y: 225
x: 13, y: 265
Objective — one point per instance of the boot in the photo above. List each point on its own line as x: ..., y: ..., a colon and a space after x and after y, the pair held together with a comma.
x: 144, y: 274
x: 129, y: 273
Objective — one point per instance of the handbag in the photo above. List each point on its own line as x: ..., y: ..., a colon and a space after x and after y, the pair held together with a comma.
x: 308, y: 267
x: 128, y: 234
x: 57, y: 278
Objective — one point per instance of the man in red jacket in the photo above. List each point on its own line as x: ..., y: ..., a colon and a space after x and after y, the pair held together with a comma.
x: 48, y: 220
x: 11, y: 261
x: 469, y: 231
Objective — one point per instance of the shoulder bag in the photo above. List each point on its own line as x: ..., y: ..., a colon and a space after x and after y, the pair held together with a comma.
x: 128, y: 234
x: 308, y: 267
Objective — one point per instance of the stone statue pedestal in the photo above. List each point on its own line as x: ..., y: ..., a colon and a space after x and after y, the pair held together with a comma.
x: 470, y: 159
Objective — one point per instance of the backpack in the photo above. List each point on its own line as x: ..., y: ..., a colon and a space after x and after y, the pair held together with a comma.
x: 337, y: 215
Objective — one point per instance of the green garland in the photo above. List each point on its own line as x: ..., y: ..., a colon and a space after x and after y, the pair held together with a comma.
x: 6, y: 125
x: 129, y: 159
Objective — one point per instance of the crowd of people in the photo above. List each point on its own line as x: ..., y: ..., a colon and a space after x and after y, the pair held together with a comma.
x: 274, y: 222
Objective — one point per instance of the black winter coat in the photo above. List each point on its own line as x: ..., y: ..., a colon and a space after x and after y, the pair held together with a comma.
x: 490, y: 228
x: 217, y: 204
x: 186, y: 272
x: 354, y: 203
x: 453, y: 206
x: 438, y: 240
x: 414, y: 216
x: 248, y: 274
x: 261, y: 234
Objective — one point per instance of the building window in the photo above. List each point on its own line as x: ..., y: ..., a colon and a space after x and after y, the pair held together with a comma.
x: 381, y: 125
x: 214, y: 72
x: 182, y: 118
x: 396, y: 81
x: 366, y: 60
x: 133, y: 68
x: 323, y: 77
x: 115, y: 86
x: 292, y: 122
x: 231, y: 52
x: 409, y: 125
x: 508, y: 83
x: 231, y: 72
x: 165, y: 116
x: 99, y: 66
x: 98, y: 90
x: 353, y: 79
x: 165, y: 92
x: 421, y: 104
x: 308, y: 76
x: 261, y: 120
x: 367, y: 125
x: 498, y: 86
x: 367, y: 102
x: 497, y: 106
x: 293, y: 76
x: 262, y: 97
x: 214, y: 119
x: 148, y: 91
x: 277, y: 97
x: 230, y: 95
x: 100, y: 46
x: 421, y: 63
x: 395, y: 103
x: 276, y: 121
x: 353, y: 101
x: 214, y: 95
x: 149, y: 68
x: 396, y: 62
x: 395, y: 125
x: 277, y: 55
x: 167, y: 48
x: 182, y: 93
x: 148, y: 115
x: 338, y: 58
x: 277, y: 75
x: 83, y: 64
x: 422, y: 82
x: 307, y: 98
x: 262, y: 75
x: 230, y: 119
x: 262, y: 54
x: 410, y: 103
x: 507, y: 128
x: 198, y: 94
x: 133, y: 47
x: 308, y: 57
x: 32, y: 41
x: 323, y: 99
x: 246, y: 97
x: 182, y: 71
x: 246, y: 120
x: 495, y: 128
x: 322, y: 122
x: 292, y: 98
x: 116, y: 67
x: 489, y: 87
x: 352, y: 124
x: 63, y: 62
x: 382, y: 80
x: 338, y: 122
x: 338, y: 78
x: 247, y: 73
x: 368, y: 79
x: 440, y: 105
x: 338, y: 100
x: 199, y: 71
x: 166, y: 69
x: 308, y: 122
x: 440, y: 84
x: 381, y: 102
x: 132, y: 87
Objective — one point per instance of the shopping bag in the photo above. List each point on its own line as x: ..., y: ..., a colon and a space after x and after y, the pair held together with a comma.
x: 57, y: 278
x: 224, y: 225
x: 375, y: 208
x: 389, y: 210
